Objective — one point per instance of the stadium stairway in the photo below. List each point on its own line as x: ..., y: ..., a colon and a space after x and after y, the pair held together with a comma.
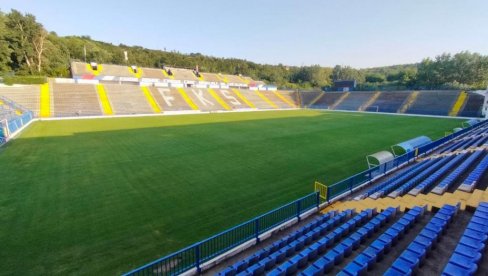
x: 266, y: 99
x: 459, y: 104
x: 370, y: 101
x: 410, y: 100
x: 320, y: 95
x: 340, y: 100
x: 45, y: 101
x: 150, y: 99
x: 105, y: 102
x: 243, y: 98
x: 407, y: 201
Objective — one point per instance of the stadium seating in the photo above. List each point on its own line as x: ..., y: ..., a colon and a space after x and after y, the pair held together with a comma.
x: 75, y: 100
x: 27, y: 96
x: 433, y: 103
x: 468, y: 253
x: 389, y: 101
x: 328, y: 100
x: 473, y: 106
x: 390, y: 242
x: 475, y: 175
x: 354, y: 101
x: 127, y: 99
x: 309, y: 98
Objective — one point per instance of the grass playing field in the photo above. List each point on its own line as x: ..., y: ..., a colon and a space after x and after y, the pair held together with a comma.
x: 102, y: 196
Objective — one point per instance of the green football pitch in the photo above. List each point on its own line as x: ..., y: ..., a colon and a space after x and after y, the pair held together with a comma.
x: 103, y: 196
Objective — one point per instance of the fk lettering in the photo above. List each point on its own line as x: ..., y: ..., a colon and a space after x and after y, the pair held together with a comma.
x: 199, y: 94
x: 165, y: 93
x: 232, y: 99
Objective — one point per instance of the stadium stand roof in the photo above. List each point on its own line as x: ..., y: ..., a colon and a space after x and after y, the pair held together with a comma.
x: 379, y: 158
x: 410, y: 145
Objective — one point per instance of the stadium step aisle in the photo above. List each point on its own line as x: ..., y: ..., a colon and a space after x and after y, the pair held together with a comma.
x: 340, y: 100
x: 243, y: 98
x: 371, y: 100
x: 409, y: 102
x: 150, y: 99
x: 104, y: 100
x: 265, y: 98
x: 203, y: 99
x: 169, y: 99
x: 408, y: 201
x: 45, y: 101
x: 458, y: 104
x: 217, y: 98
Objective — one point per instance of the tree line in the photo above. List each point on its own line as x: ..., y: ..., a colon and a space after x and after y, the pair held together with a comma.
x: 27, y: 48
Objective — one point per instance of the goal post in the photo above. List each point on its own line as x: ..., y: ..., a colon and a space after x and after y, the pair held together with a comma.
x: 321, y: 189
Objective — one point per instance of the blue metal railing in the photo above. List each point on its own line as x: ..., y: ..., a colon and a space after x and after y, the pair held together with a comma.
x: 198, y: 253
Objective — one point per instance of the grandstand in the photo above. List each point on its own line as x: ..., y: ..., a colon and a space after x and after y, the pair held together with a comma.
x: 427, y: 216
x: 387, y: 209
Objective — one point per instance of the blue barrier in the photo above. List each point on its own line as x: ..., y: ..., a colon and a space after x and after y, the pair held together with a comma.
x: 198, y: 253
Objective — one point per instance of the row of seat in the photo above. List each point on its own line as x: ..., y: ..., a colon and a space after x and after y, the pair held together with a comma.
x: 418, y: 178
x: 301, y: 259
x: 475, y: 175
x: 267, y: 257
x: 468, y: 252
x: 378, y: 248
x: 336, y: 255
x: 416, y: 252
x: 434, y: 175
x: 450, y: 179
x: 386, y: 186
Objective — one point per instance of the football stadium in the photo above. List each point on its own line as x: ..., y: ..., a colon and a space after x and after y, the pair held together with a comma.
x: 125, y: 167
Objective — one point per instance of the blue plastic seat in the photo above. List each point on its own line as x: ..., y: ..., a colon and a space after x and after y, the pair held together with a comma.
x: 475, y: 244
x: 301, y: 259
x: 268, y: 263
x: 324, y: 263
x: 404, y: 266
x: 256, y: 269
x: 354, y: 269
x: 455, y: 270
x: 313, y: 271
x: 469, y: 252
x: 240, y: 266
x: 462, y: 261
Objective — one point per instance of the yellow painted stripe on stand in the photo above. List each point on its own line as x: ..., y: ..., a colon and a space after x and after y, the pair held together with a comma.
x: 150, y: 99
x: 218, y: 99
x: 138, y: 74
x: 166, y: 74
x: 238, y: 93
x: 102, y: 94
x: 45, y: 101
x: 244, y: 80
x: 95, y: 73
x: 288, y: 102
x: 266, y: 99
x: 187, y: 99
x: 459, y: 103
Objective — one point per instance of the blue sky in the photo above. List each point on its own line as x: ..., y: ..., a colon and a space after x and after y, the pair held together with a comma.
x: 360, y: 33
